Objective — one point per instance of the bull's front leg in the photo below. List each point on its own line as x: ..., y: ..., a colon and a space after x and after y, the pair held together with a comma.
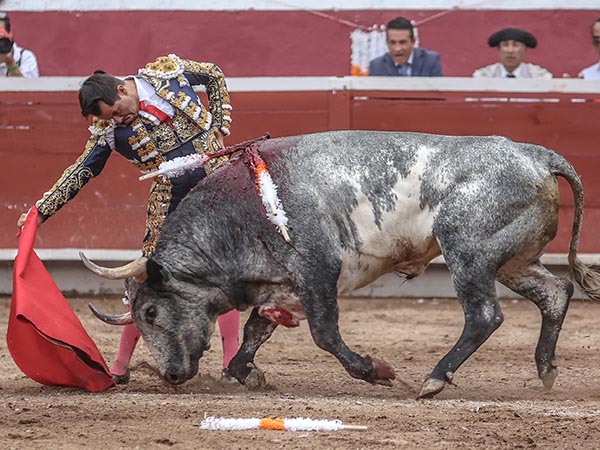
x: 257, y: 331
x: 322, y: 314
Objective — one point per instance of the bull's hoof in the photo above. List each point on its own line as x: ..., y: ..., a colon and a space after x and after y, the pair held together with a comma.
x: 121, y: 379
x: 548, y: 376
x: 255, y: 379
x: 431, y: 387
x: 382, y: 373
x: 227, y: 379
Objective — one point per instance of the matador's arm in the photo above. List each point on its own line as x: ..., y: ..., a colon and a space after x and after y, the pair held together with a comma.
x: 212, y: 77
x: 89, y: 164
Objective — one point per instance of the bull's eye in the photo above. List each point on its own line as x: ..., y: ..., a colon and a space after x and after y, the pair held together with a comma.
x: 150, y: 314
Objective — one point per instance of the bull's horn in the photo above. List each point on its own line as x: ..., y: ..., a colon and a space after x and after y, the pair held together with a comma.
x: 136, y: 269
x: 112, y: 319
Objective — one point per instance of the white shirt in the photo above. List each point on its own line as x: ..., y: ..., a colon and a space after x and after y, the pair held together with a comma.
x: 525, y: 70
x: 147, y: 94
x: 591, y: 73
x: 518, y: 72
x: 407, y: 65
x: 26, y: 61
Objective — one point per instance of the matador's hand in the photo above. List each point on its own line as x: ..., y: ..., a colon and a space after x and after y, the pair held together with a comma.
x: 22, y: 219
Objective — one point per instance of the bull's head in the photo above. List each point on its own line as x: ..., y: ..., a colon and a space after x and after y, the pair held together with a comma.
x: 175, y: 317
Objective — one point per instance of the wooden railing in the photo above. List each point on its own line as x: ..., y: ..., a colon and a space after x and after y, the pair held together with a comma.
x: 42, y: 131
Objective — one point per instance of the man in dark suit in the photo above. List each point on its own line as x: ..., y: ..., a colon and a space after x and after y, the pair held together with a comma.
x: 403, y: 58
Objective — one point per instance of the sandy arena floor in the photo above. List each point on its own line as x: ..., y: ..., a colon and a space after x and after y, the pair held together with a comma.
x: 497, y: 401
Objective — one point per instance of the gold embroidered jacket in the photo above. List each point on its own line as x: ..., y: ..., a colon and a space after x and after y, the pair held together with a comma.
x: 147, y: 144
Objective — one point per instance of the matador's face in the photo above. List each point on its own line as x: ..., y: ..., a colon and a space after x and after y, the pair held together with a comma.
x: 124, y: 110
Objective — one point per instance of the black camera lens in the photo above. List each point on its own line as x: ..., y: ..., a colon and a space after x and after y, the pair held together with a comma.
x: 6, y: 45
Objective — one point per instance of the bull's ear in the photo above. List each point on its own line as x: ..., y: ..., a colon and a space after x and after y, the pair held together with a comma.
x: 157, y: 274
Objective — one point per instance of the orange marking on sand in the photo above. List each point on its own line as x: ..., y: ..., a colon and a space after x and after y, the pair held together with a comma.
x: 271, y: 424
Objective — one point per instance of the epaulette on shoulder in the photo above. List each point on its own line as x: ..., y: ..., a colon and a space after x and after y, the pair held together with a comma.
x: 99, y: 127
x: 165, y: 67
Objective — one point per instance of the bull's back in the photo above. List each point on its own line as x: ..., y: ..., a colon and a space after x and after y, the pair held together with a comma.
x: 407, y: 173
x: 339, y: 174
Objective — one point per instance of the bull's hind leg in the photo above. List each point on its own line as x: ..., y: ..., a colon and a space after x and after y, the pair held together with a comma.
x: 257, y: 331
x: 551, y: 294
x: 477, y: 295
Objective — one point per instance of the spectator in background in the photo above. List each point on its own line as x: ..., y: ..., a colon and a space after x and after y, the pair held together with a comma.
x: 512, y: 44
x: 14, y: 60
x: 593, y: 72
x: 403, y: 58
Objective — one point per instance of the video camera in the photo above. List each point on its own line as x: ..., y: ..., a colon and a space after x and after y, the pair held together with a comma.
x: 6, y: 42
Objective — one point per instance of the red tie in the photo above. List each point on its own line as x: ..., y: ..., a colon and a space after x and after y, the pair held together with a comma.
x: 160, y: 115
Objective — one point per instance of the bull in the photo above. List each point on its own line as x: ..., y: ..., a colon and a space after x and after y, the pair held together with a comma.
x: 360, y: 204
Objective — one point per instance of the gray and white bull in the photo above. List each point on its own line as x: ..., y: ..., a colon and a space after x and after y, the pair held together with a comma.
x: 360, y: 204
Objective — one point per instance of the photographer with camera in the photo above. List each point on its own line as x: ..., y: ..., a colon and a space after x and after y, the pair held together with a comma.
x: 14, y: 60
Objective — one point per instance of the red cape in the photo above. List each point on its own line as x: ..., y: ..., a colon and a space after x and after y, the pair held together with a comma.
x: 45, y: 337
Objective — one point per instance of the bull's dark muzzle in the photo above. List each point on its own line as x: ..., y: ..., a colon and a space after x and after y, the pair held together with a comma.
x: 174, y: 376
x: 178, y: 374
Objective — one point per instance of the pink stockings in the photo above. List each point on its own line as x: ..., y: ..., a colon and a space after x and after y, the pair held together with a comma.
x: 129, y: 338
x: 229, y: 324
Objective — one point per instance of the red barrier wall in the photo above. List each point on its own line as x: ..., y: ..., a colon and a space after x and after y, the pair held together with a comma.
x: 43, y: 132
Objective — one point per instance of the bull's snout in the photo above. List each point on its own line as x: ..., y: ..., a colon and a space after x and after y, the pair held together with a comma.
x: 174, y: 376
x: 177, y: 374
x: 180, y: 367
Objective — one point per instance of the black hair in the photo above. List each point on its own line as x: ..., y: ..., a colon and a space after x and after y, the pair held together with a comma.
x: 401, y: 23
x: 6, y: 19
x: 99, y: 87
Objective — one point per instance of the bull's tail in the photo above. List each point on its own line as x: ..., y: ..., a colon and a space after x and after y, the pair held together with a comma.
x: 587, y: 279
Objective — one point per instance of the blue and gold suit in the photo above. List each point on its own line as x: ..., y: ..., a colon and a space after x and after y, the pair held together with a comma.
x: 146, y: 143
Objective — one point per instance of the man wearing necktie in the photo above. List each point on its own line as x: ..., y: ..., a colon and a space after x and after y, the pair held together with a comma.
x: 149, y: 118
x: 512, y: 44
x: 404, y: 70
x: 403, y: 58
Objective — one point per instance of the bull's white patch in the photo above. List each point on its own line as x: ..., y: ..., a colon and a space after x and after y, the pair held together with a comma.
x: 488, y: 312
x: 558, y: 306
x: 403, y: 241
x: 471, y: 190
